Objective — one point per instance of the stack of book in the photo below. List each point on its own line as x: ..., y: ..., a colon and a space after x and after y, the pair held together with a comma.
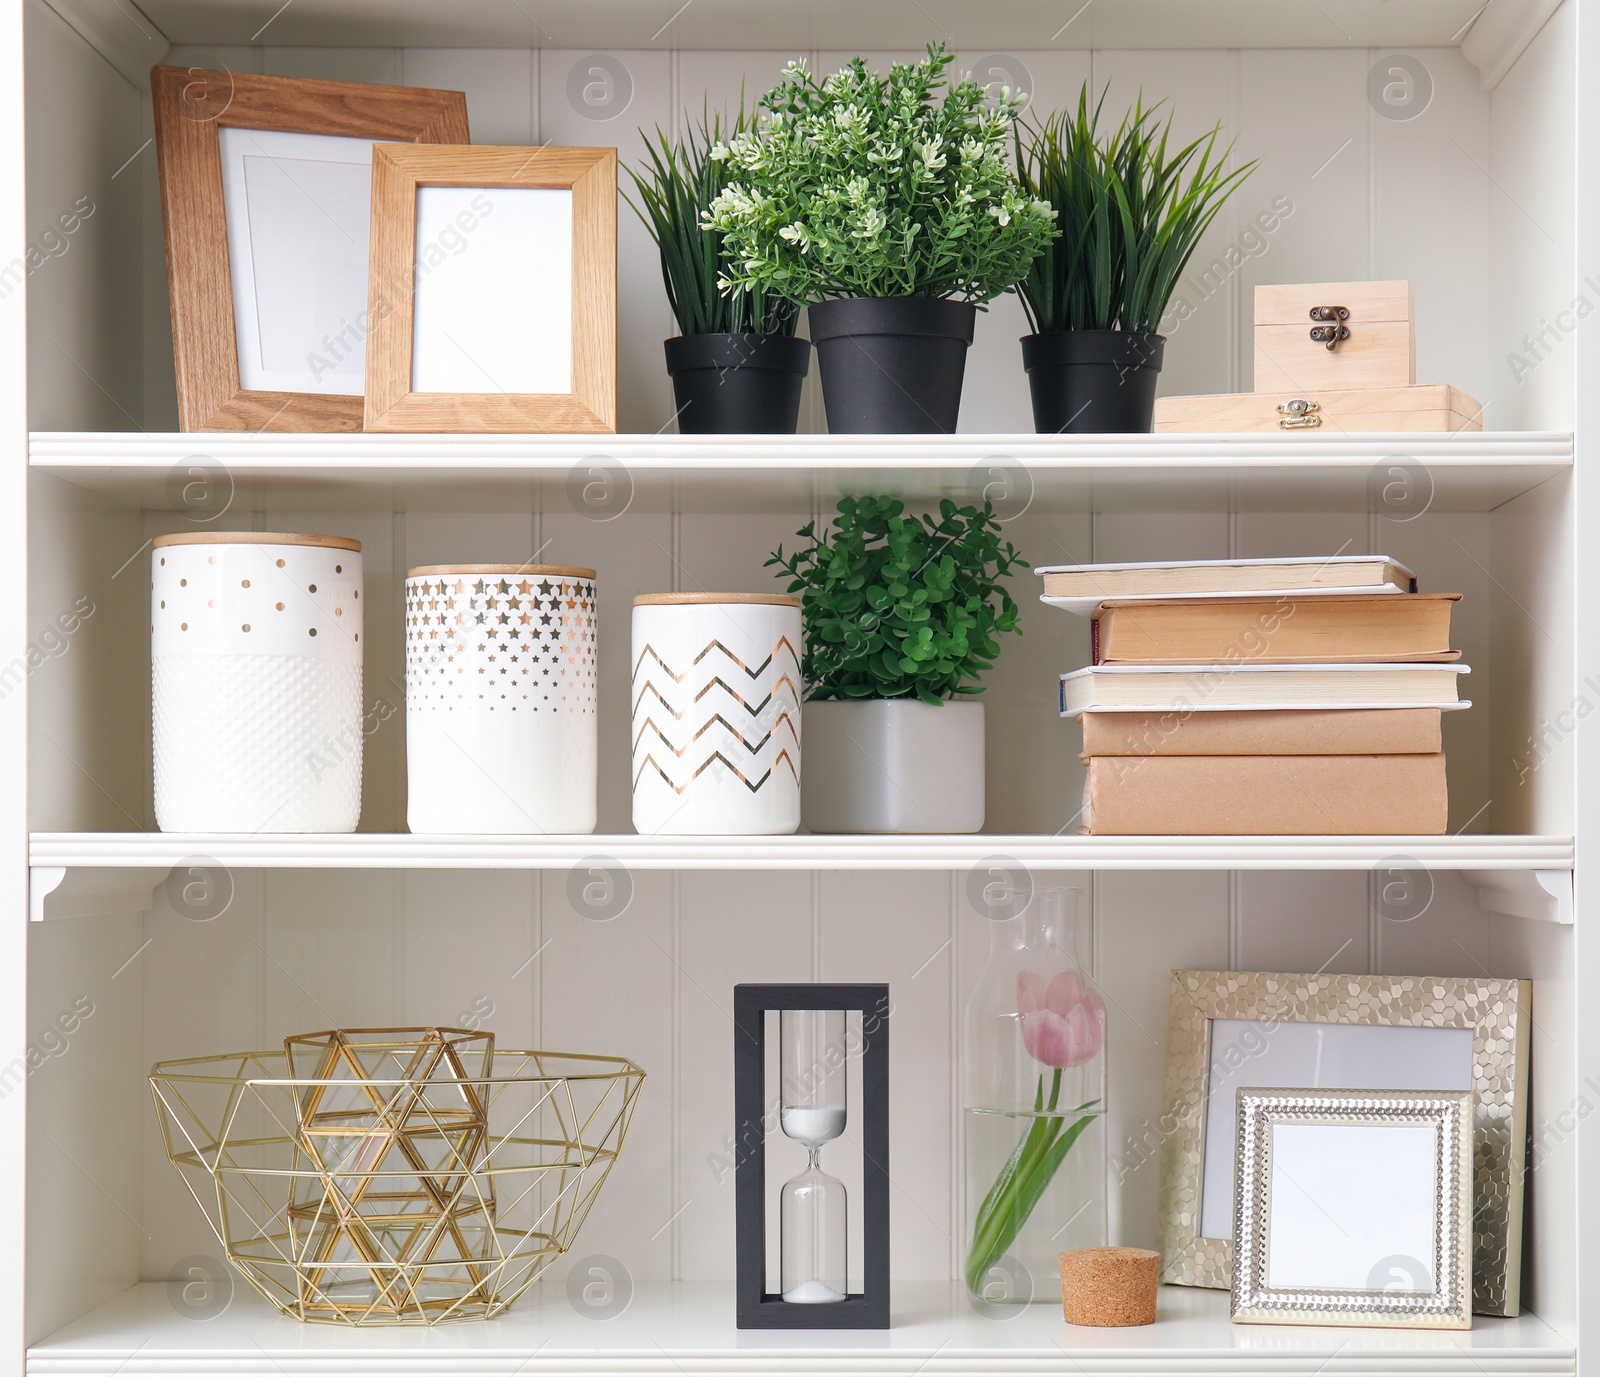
x: 1260, y: 697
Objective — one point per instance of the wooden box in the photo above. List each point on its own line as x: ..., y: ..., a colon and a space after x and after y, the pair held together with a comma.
x: 1368, y: 324
x: 1430, y: 407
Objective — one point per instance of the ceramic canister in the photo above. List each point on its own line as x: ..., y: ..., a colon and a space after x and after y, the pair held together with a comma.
x: 256, y: 682
x: 716, y: 713
x: 501, y: 732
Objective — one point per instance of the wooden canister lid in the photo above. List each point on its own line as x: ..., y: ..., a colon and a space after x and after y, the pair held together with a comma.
x: 694, y: 599
x: 326, y: 542
x: 423, y: 571
x: 1109, y: 1286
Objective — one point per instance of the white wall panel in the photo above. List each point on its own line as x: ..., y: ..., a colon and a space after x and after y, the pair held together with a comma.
x: 1146, y: 926
x: 608, y: 986
x: 1433, y: 170
x: 604, y: 100
x: 896, y: 929
x: 82, y: 257
x: 379, y: 65
x: 1534, y: 304
x: 501, y: 86
x: 1304, y: 213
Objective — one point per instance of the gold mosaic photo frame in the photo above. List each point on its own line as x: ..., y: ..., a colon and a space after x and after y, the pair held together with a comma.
x: 1496, y: 1011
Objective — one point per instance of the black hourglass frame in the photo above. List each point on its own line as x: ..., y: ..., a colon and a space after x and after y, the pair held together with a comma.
x: 759, y: 1308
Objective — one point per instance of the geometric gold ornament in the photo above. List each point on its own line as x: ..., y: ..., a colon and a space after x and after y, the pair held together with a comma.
x: 394, y: 1176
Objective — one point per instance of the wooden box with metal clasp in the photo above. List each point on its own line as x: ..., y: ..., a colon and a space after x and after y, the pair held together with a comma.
x: 1323, y: 335
x: 1428, y: 407
x: 1329, y: 356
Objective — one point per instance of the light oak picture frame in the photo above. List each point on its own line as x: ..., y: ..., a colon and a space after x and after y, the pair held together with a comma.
x: 1494, y: 1013
x: 192, y: 108
x: 401, y: 177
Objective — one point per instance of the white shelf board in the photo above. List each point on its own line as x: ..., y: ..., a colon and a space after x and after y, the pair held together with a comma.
x: 402, y: 851
x: 800, y: 24
x: 1465, y: 471
x: 685, y: 1329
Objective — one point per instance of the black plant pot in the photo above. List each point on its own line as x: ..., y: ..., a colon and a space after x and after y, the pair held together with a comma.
x: 892, y: 365
x: 1092, y: 382
x: 738, y: 384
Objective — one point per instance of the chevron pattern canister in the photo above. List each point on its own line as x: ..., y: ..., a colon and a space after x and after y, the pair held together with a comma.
x: 716, y: 713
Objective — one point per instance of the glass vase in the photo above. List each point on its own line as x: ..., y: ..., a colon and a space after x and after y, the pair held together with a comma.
x: 1034, y: 1102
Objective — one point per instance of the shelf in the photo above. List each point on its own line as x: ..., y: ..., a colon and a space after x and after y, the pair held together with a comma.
x: 401, y: 851
x: 1470, y: 472
x: 686, y: 1329
x: 799, y: 23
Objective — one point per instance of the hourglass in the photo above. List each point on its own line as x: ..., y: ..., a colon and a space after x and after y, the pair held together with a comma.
x: 813, y: 1221
x: 821, y: 1030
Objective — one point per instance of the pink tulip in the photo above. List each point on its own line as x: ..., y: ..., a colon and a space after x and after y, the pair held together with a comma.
x: 1061, y: 1026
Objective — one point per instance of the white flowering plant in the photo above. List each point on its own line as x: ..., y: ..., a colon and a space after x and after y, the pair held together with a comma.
x: 863, y: 185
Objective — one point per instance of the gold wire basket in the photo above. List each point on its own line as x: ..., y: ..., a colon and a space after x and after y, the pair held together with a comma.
x: 394, y: 1176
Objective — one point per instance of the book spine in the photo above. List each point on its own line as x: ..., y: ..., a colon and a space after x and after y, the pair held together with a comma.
x: 1094, y: 640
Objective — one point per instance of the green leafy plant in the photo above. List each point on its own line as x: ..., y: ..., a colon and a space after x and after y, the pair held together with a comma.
x: 898, y: 606
x: 1130, y: 215
x: 676, y: 188
x: 865, y: 185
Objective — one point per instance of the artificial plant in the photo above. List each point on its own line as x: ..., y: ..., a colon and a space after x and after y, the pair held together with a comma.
x: 863, y: 185
x: 676, y: 187
x: 1130, y: 214
x: 898, y: 606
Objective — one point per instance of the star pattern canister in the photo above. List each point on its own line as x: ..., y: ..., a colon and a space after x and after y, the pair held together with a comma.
x: 501, y: 730
x: 255, y: 656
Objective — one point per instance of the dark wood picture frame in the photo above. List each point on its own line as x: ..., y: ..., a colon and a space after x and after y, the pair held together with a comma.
x: 191, y: 105
x: 758, y: 1308
x: 590, y: 174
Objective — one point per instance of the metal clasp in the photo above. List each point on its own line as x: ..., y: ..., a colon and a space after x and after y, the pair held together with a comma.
x: 1330, y: 336
x: 1299, y: 414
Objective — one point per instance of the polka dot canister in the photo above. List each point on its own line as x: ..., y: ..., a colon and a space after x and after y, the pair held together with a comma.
x: 256, y: 650
x: 501, y: 730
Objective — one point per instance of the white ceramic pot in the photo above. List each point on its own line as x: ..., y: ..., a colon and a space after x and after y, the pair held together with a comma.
x: 716, y: 713
x: 500, y: 698
x: 255, y: 650
x: 893, y: 765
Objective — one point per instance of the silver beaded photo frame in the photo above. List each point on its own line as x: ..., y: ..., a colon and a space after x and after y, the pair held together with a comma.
x: 1331, y: 1229
x: 1255, y: 1015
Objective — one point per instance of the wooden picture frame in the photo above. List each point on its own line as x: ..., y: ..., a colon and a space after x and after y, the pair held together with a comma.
x: 589, y: 406
x: 192, y: 107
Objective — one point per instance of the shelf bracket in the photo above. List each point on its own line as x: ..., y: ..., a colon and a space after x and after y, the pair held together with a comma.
x: 1542, y: 895
x: 56, y: 891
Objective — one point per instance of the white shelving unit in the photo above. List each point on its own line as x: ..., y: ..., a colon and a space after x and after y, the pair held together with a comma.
x: 1478, y: 201
x: 683, y: 1330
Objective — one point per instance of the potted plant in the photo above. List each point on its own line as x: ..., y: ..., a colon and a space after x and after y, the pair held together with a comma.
x: 737, y: 368
x: 896, y: 215
x: 1130, y: 216
x: 901, y: 617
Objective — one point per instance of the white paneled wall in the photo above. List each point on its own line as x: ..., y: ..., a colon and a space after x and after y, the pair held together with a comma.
x: 1348, y: 194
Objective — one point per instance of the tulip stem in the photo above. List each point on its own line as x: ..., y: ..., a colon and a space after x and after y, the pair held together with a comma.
x: 1022, y: 1181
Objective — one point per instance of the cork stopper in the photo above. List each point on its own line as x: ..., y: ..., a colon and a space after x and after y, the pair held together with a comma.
x: 1109, y: 1286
